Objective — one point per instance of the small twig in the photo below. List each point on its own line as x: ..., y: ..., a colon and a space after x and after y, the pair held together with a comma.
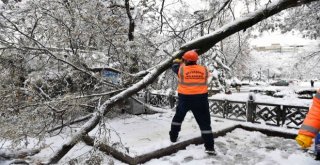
x: 161, y: 16
x: 84, y: 118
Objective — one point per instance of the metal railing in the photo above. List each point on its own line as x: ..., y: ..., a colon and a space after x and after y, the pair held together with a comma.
x: 250, y: 111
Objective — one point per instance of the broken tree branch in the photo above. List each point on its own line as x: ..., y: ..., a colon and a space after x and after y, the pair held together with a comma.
x: 203, y: 44
x: 109, y: 150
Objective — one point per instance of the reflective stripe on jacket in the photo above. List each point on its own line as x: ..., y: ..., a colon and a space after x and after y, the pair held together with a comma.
x: 192, y: 79
x: 311, y: 124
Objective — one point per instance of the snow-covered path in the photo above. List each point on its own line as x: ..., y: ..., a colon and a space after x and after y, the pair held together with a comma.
x: 137, y: 135
x: 242, y: 147
x: 147, y: 133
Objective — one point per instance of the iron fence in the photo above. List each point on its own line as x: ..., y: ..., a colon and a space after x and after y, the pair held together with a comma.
x: 251, y: 111
x: 258, y: 112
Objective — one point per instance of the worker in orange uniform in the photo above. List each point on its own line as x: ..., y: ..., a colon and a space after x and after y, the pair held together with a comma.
x: 311, y: 126
x: 192, y: 95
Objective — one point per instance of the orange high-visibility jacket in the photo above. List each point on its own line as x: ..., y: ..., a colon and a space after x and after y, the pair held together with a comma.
x: 192, y: 79
x: 311, y: 124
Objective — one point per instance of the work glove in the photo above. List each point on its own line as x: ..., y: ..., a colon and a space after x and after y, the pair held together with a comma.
x: 304, y: 141
x: 177, y: 60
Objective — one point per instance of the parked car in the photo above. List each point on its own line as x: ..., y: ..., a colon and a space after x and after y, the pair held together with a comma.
x: 235, y: 82
x: 280, y: 83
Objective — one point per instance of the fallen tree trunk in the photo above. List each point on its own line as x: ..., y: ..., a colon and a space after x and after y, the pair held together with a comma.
x: 178, y: 146
x: 203, y: 44
x: 140, y: 159
x: 269, y: 132
x: 155, y: 154
x: 109, y: 150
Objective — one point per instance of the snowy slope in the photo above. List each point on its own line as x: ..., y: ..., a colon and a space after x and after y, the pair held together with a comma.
x: 285, y: 64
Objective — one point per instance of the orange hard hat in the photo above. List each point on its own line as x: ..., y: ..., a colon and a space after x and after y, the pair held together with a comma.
x: 190, y: 56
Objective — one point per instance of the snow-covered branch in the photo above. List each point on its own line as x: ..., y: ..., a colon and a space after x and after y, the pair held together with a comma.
x: 206, y: 42
x: 43, y: 48
x: 10, y: 154
x: 203, y: 44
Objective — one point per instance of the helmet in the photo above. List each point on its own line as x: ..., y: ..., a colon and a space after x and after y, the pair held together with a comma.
x: 190, y: 56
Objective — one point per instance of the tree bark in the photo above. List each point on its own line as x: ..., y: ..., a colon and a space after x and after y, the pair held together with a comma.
x: 131, y: 21
x: 203, y: 44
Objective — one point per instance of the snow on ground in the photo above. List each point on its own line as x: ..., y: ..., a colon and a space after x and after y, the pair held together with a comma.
x: 289, y: 100
x: 147, y: 133
x: 141, y: 134
x: 290, y: 97
x: 242, y: 147
x: 137, y: 135
x: 261, y: 98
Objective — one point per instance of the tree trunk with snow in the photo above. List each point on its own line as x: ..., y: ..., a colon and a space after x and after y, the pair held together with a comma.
x: 18, y: 154
x: 203, y: 44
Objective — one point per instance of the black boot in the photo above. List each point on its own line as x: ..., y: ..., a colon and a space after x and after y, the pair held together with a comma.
x: 317, y: 157
x: 173, y: 137
x: 210, y: 149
